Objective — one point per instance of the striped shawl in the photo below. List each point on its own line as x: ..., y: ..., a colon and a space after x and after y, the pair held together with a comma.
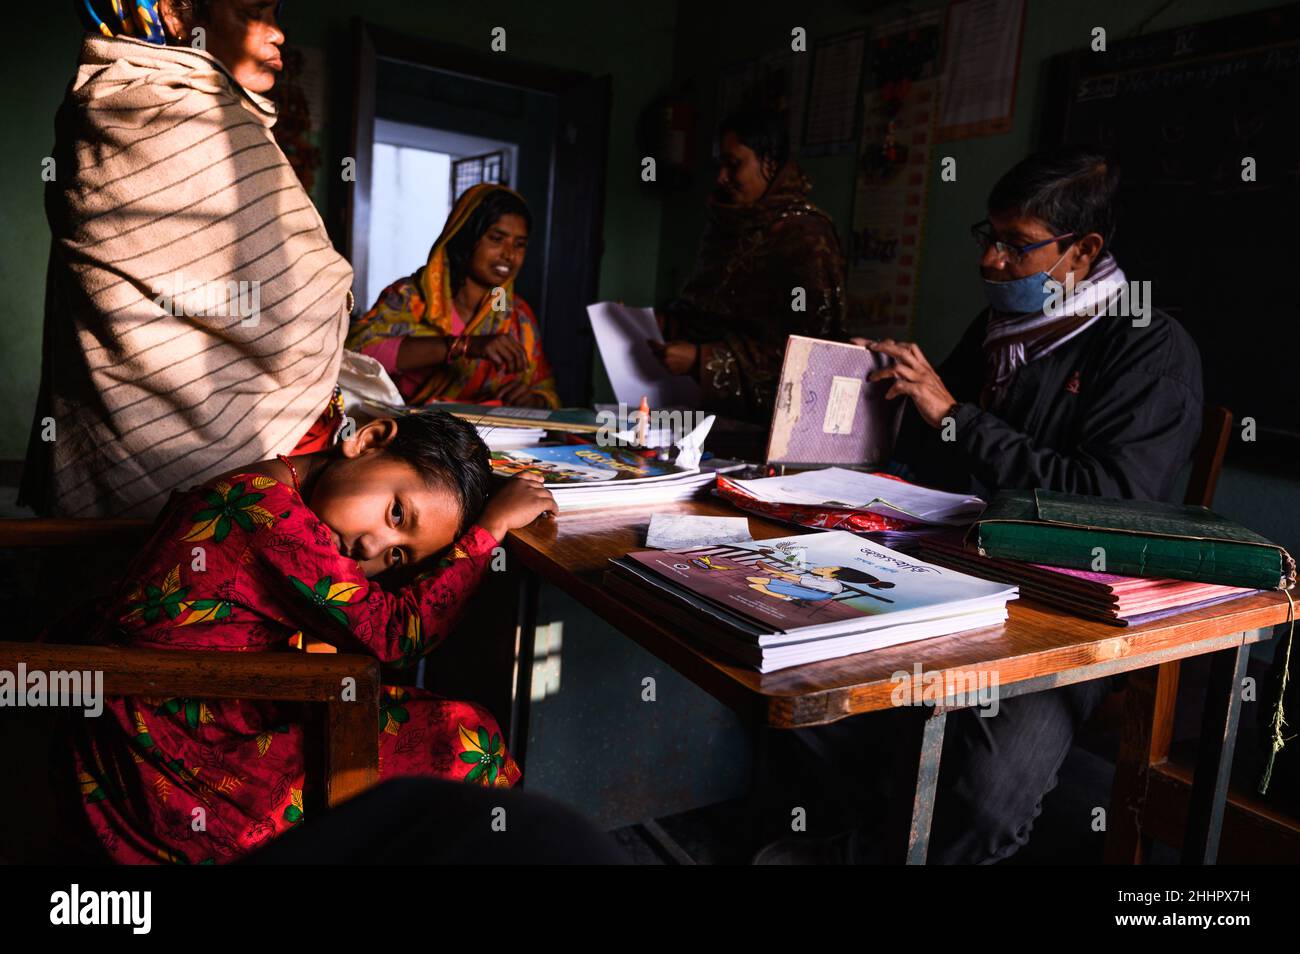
x: 195, y: 308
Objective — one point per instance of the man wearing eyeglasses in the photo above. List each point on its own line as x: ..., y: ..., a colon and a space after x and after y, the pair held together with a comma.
x: 1069, y: 381
x: 1090, y: 393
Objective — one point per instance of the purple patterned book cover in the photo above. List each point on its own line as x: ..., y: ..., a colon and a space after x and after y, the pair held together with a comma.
x: 826, y: 410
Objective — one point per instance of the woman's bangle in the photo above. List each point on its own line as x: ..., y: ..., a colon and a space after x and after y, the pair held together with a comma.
x: 460, y: 342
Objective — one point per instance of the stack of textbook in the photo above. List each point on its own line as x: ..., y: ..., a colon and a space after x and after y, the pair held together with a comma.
x: 1130, y: 538
x: 1107, y: 597
x: 576, y: 420
x: 582, y: 476
x: 772, y: 604
x: 1124, y: 562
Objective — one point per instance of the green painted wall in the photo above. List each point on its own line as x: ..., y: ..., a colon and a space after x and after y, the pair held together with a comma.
x: 36, y: 75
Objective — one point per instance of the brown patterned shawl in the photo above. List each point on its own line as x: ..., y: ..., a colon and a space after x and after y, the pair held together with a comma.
x: 738, y: 306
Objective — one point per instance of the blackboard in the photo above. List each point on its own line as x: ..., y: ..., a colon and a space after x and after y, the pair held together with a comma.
x: 1182, y: 110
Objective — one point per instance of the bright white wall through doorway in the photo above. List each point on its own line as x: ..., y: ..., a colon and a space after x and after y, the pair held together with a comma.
x: 410, y: 195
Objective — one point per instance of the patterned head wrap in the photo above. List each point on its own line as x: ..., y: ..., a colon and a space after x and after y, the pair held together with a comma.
x: 133, y: 18
x: 435, y: 278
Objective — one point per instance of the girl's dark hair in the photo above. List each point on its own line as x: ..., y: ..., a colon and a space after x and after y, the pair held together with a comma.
x: 1071, y: 188
x: 447, y: 452
x: 765, y: 131
x: 461, y: 247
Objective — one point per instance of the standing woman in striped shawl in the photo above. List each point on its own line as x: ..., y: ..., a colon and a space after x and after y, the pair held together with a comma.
x: 195, y: 307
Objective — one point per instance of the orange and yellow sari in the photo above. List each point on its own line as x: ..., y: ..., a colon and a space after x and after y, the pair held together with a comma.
x: 422, y: 305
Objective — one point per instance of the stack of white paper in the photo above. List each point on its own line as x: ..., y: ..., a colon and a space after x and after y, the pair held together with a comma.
x: 654, y: 490
x: 669, y: 488
x: 504, y: 437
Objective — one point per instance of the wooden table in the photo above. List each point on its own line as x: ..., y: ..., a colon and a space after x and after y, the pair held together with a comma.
x: 1037, y: 648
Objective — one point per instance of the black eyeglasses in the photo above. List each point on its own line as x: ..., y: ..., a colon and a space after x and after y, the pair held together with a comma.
x: 982, y: 233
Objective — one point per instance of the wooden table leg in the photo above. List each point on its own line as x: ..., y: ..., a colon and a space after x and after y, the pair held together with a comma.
x: 759, y: 804
x: 1146, y: 733
x: 907, y: 834
x: 525, y: 653
x: 1214, y: 756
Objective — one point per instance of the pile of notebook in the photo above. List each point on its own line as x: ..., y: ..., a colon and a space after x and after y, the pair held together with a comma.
x: 1108, y: 597
x: 1121, y: 561
x: 583, y: 476
x: 784, y: 602
x: 575, y: 420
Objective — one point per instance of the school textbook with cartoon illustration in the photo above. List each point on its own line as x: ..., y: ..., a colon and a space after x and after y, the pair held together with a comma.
x: 586, y: 475
x: 568, y: 464
x: 791, y: 600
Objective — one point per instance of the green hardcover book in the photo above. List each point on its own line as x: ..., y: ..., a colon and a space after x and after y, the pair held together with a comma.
x: 1137, y: 538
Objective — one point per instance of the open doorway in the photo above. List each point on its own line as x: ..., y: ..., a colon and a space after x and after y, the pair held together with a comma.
x: 417, y: 174
x: 425, y: 113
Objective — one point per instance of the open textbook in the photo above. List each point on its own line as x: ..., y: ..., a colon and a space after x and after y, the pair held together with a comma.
x: 791, y: 600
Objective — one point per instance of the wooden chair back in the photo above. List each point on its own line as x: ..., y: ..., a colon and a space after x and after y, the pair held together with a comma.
x: 1208, y: 454
x: 350, y: 744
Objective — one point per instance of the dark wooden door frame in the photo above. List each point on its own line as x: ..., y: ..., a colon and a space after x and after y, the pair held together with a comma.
x: 573, y: 250
x: 573, y: 254
x: 356, y: 206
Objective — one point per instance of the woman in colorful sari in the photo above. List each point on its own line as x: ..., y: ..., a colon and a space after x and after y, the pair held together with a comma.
x: 195, y: 309
x: 455, y: 330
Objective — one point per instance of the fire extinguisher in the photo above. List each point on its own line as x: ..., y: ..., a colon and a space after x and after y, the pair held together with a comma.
x: 669, y: 126
x: 678, y: 133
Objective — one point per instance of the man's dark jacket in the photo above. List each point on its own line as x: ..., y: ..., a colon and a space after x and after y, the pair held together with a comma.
x: 1115, y: 412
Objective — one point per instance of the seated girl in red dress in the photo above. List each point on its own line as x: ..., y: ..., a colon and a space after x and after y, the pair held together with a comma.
x: 249, y: 561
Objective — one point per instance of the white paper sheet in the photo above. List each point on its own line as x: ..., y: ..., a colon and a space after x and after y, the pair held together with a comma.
x: 634, y: 371
x: 836, y: 486
x: 680, y: 531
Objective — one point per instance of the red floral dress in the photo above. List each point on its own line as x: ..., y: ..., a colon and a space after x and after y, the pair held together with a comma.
x: 244, y: 565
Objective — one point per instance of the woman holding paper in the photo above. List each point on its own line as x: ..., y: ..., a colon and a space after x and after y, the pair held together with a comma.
x: 769, y: 266
x: 455, y: 330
